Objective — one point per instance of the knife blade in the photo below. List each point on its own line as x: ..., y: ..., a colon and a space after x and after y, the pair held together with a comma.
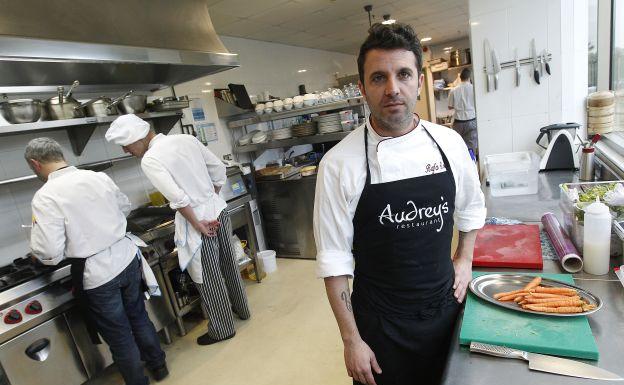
x: 535, y: 64
x: 544, y: 363
x: 488, y: 63
x: 545, y: 62
x: 496, y: 67
x: 517, y: 67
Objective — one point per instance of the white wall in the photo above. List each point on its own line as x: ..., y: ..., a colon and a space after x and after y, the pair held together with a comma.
x: 267, y: 67
x: 264, y: 66
x: 509, y: 118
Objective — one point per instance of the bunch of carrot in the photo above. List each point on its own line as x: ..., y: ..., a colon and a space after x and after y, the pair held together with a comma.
x: 561, y: 300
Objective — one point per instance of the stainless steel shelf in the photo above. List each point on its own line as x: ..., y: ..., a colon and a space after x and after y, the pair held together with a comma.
x: 320, y: 138
x: 80, y: 130
x: 245, y: 119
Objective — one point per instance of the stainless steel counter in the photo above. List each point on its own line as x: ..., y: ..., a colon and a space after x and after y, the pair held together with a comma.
x: 607, y: 324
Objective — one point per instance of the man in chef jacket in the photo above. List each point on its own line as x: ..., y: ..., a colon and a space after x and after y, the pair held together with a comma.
x: 80, y: 215
x: 190, y: 177
x: 387, y: 197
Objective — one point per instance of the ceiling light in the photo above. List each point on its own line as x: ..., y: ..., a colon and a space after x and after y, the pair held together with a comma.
x: 300, y: 71
x: 474, y: 23
x: 208, y: 83
x: 448, y: 48
x: 388, y: 20
x: 206, y: 91
x: 424, y: 39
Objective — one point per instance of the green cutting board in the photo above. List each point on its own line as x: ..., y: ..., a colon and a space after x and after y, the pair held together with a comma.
x: 561, y: 336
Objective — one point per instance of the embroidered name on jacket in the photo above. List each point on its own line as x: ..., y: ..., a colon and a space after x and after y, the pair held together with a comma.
x: 413, y: 216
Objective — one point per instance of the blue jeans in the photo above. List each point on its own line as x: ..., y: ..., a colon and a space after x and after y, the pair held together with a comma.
x: 118, y: 310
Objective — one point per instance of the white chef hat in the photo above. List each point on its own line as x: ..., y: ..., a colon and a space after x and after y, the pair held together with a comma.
x: 127, y: 129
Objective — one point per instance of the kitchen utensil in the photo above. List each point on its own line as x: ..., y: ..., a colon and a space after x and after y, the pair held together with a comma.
x: 101, y: 106
x: 544, y: 363
x: 133, y: 104
x: 489, y: 69
x: 169, y: 103
x: 515, y: 246
x: 485, y: 322
x: 63, y: 106
x: 517, y: 67
x: 545, y: 62
x: 497, y: 68
x: 536, y: 75
x: 569, y: 257
x: 486, y: 286
x: 21, y: 110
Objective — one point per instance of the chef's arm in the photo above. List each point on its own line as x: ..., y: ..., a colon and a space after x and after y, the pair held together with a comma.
x: 465, y: 246
x: 339, y: 296
x: 47, y: 237
x: 188, y: 213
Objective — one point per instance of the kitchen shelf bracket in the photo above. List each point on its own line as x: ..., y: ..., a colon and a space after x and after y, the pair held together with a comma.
x: 79, y: 137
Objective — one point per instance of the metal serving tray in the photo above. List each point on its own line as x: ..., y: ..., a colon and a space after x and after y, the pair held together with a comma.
x: 486, y: 286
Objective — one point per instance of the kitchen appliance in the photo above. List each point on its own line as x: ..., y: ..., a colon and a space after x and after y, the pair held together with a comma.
x: 544, y: 363
x: 488, y: 323
x: 63, y: 106
x: 515, y: 246
x: 21, y: 110
x: 560, y: 153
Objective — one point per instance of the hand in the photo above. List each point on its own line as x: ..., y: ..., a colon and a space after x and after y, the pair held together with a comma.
x: 208, y: 228
x: 463, y: 276
x: 360, y: 361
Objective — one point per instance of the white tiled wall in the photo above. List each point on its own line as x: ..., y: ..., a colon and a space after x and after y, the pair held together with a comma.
x: 509, y: 119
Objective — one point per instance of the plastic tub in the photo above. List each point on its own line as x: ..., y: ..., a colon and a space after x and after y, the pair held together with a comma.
x: 267, y: 261
x: 513, y: 173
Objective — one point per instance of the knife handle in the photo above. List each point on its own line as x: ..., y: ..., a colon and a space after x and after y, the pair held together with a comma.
x: 487, y: 82
x: 536, y: 76
x: 547, y: 67
x: 495, y: 82
x: 497, y: 351
x: 517, y: 77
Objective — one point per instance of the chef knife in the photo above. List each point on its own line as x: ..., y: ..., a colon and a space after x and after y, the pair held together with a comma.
x: 488, y: 63
x: 544, y: 363
x: 517, y: 67
x: 535, y: 64
x: 545, y: 63
x: 497, y: 68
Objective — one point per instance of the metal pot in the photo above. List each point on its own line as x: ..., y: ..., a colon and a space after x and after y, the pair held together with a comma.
x: 21, y: 110
x: 133, y: 104
x: 101, y: 106
x: 63, y: 106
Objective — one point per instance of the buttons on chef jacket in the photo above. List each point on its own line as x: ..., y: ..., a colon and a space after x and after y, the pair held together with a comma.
x: 13, y: 317
x: 33, y: 307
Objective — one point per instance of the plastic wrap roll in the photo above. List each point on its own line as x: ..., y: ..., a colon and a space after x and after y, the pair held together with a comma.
x: 568, y: 255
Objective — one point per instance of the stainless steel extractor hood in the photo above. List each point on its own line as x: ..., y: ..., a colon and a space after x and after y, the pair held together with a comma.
x: 112, y: 44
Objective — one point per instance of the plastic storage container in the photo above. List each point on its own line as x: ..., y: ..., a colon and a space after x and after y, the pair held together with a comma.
x: 596, y: 238
x: 513, y: 173
x: 268, y: 262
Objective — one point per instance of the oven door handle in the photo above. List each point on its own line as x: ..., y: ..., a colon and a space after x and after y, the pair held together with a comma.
x: 236, y: 209
x: 39, y: 350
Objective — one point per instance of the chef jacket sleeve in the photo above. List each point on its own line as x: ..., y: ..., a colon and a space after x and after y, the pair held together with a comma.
x: 470, y: 208
x: 164, y: 182
x: 216, y: 168
x: 47, y: 238
x: 122, y: 199
x: 333, y: 226
x: 451, y: 99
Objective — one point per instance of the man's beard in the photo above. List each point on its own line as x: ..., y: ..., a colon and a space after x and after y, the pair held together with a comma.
x: 395, y: 122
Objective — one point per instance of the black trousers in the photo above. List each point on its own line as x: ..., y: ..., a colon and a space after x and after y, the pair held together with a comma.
x: 409, y: 351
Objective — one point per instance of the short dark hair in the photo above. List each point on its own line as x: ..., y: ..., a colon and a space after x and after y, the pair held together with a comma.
x: 388, y: 37
x: 465, y: 74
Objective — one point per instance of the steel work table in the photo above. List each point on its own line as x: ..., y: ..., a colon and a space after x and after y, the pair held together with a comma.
x: 465, y: 368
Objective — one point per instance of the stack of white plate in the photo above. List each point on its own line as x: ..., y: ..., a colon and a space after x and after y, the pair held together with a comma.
x: 282, y: 133
x: 259, y: 137
x: 329, y: 123
x: 246, y: 139
x: 304, y: 129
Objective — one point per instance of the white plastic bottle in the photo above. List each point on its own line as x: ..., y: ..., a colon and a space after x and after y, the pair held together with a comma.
x: 596, y: 238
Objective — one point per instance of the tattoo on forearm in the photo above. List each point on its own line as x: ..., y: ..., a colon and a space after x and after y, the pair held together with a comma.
x: 345, y: 297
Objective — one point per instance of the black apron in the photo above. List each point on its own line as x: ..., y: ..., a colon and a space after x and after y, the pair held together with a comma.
x: 77, y: 274
x: 402, y: 297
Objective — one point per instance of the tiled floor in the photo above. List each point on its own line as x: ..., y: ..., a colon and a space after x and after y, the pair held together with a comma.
x: 292, y: 338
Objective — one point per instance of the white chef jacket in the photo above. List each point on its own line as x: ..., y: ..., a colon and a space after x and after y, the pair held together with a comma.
x: 461, y: 98
x: 186, y: 172
x: 82, y: 214
x: 342, y: 175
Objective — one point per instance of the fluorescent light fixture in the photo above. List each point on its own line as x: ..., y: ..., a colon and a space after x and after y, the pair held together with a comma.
x: 206, y: 91
x: 300, y: 71
x: 389, y: 21
x: 208, y: 83
x: 424, y: 39
x: 448, y: 48
x: 473, y: 23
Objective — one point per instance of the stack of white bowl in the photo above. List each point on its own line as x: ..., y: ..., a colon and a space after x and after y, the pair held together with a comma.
x: 259, y: 137
x: 310, y: 100
x: 329, y: 123
x: 600, y: 112
x: 278, y: 105
x: 260, y: 108
x: 298, y: 101
x: 268, y: 107
x: 288, y: 104
x: 246, y: 139
x: 281, y: 133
